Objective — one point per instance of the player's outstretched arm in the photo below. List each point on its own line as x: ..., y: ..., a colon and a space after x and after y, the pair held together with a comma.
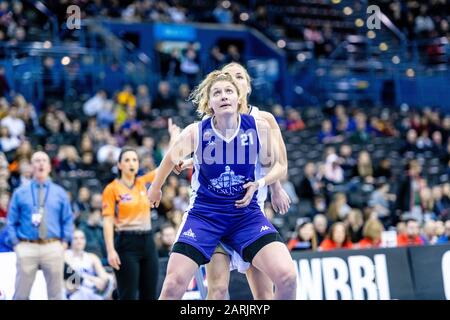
x: 181, y: 148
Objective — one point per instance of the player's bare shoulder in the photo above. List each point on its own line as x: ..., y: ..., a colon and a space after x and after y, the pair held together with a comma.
x: 261, y: 123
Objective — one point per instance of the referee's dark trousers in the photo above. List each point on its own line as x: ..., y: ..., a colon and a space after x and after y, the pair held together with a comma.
x: 137, y: 277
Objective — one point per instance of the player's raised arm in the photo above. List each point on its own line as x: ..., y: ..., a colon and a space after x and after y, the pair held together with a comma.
x: 181, y: 148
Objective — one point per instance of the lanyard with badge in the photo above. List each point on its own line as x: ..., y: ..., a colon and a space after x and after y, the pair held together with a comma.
x: 38, y: 206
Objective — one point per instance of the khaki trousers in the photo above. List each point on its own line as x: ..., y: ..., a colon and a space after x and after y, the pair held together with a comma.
x: 49, y: 258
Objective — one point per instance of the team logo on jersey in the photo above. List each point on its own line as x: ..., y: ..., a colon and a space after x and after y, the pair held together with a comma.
x: 227, y: 183
x: 189, y: 234
x: 212, y: 141
x: 125, y: 197
x: 264, y: 228
x: 207, y: 135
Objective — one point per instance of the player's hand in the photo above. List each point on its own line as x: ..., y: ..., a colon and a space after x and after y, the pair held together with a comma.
x: 251, y: 189
x: 280, y: 200
x: 174, y: 131
x: 154, y: 196
x: 183, y: 165
x: 113, y: 259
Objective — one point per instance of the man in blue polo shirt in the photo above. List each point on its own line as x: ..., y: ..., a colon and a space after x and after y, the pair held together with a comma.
x: 40, y: 225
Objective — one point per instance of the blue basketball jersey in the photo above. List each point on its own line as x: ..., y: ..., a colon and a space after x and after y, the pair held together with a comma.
x: 222, y: 166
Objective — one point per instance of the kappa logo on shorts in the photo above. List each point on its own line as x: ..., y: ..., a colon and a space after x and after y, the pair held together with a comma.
x: 189, y: 234
x: 264, y: 228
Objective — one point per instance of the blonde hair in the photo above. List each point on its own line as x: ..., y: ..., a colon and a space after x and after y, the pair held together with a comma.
x: 373, y: 229
x: 200, y: 95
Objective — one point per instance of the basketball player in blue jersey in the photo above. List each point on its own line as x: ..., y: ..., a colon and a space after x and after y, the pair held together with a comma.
x: 218, y: 270
x: 226, y: 148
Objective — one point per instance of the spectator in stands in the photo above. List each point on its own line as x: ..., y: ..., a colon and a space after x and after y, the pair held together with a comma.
x: 108, y: 153
x: 341, y: 122
x: 427, y: 204
x: 15, y: 125
x: 278, y: 113
x: 364, y: 168
x: 337, y: 238
x: 355, y: 223
x: 408, y: 194
x: 319, y: 206
x: 348, y: 163
x: 294, y: 121
x: 40, y: 225
x: 181, y: 201
x: 23, y: 177
x: 428, y: 234
x: 8, y: 142
x: 233, y: 54
x: 81, y: 205
x: 142, y: 96
x: 92, y: 227
x: 164, y: 99
x: 338, y: 209
x: 106, y: 116
x: 383, y: 170
x: 441, y: 206
x: 190, y: 66
x: 305, y: 238
x: 126, y: 97
x: 177, y: 13
x: 372, y: 231
x: 320, y: 227
x: 326, y: 135
x: 95, y: 104
x: 222, y: 12
x: 380, y: 201
x: 424, y: 142
x: 411, y: 235
x: 167, y: 236
x: 309, y: 186
x: 184, y: 106
x: 411, y: 142
x: 361, y: 134
x: 70, y: 161
x: 445, y: 238
x: 333, y: 170
x: 423, y: 24
x: 86, y: 279
x: 437, y: 147
x: 217, y: 57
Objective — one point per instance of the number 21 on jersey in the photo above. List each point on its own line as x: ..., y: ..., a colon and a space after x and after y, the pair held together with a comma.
x: 246, y: 138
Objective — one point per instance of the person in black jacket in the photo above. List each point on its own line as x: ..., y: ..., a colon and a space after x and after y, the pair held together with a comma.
x: 408, y: 194
x: 309, y: 186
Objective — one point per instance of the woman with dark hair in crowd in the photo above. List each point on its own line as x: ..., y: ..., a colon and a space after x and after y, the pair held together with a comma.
x: 127, y: 228
x: 305, y: 238
x: 337, y: 238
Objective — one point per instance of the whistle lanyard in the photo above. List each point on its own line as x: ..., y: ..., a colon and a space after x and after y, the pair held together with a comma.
x: 35, y: 203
